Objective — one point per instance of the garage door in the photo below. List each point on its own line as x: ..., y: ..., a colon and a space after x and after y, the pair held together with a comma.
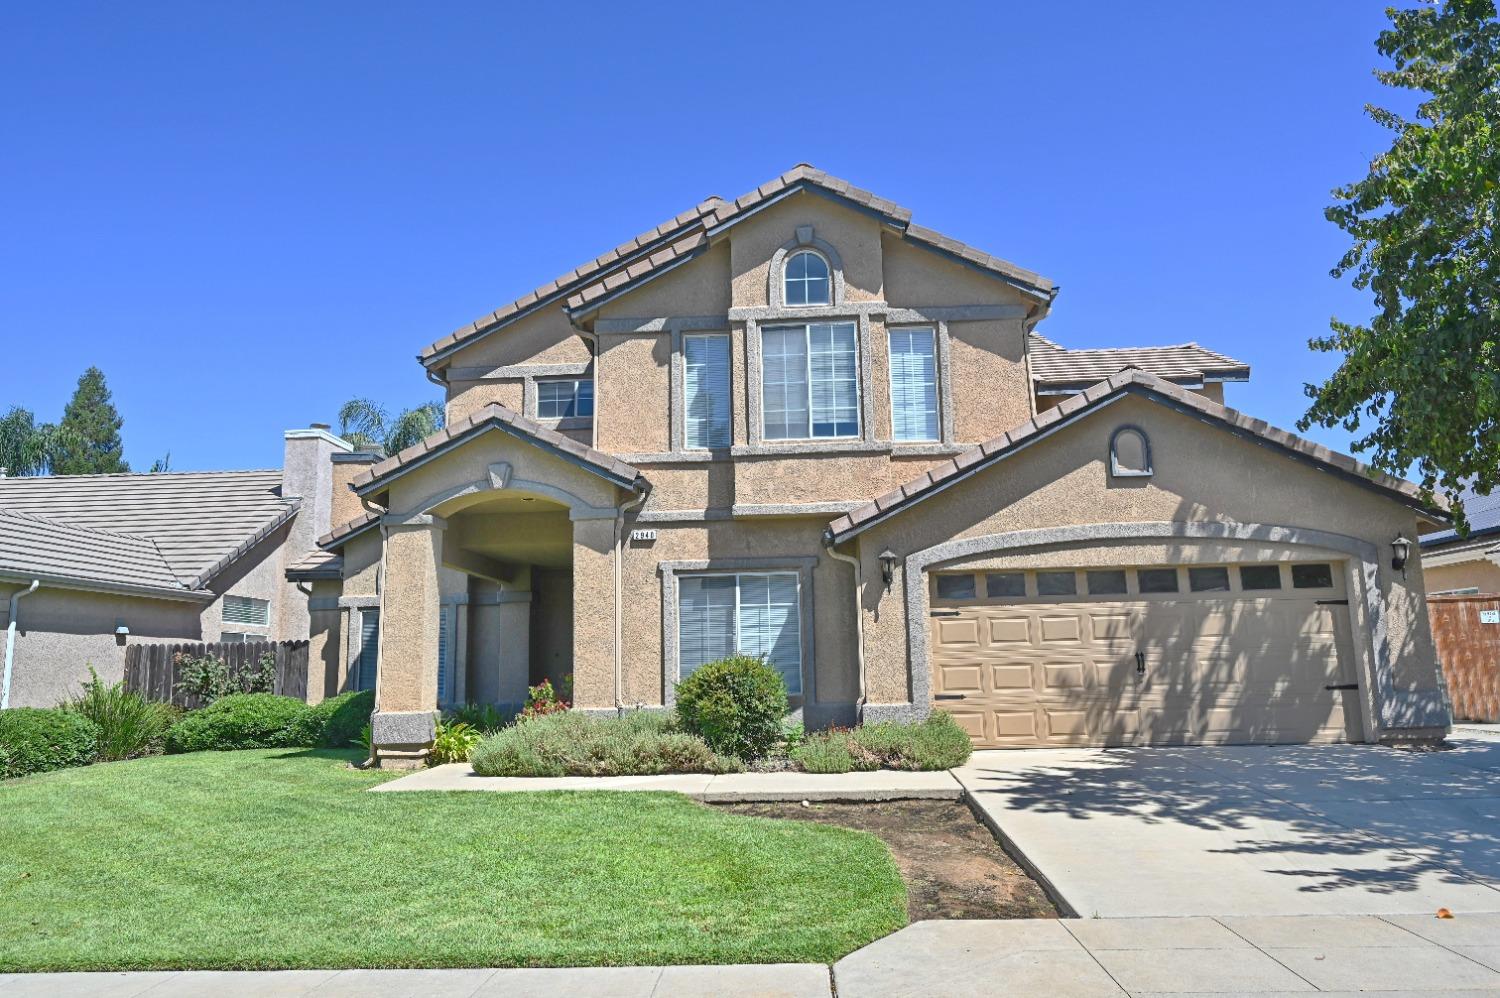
x: 1201, y: 654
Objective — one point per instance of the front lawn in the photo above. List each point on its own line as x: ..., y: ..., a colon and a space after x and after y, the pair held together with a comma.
x: 277, y: 858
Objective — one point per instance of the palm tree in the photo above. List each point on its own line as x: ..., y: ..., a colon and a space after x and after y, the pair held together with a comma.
x: 367, y: 425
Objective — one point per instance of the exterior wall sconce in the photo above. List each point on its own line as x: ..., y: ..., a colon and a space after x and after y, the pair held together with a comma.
x: 1400, y: 551
x: 121, y: 631
x: 887, y: 568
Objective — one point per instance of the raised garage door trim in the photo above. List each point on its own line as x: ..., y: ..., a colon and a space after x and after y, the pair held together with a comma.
x: 1380, y: 707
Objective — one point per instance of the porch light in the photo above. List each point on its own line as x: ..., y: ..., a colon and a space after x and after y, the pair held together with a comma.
x: 887, y: 567
x: 1400, y: 551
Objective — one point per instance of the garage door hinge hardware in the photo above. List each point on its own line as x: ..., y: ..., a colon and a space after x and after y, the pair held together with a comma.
x: 945, y: 613
x: 1342, y: 686
x: 950, y: 696
x: 1332, y: 602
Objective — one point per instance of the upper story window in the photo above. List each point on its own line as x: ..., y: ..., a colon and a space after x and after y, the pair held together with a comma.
x: 565, y: 399
x: 705, y: 391
x: 810, y: 381
x: 805, y: 279
x: 914, y: 387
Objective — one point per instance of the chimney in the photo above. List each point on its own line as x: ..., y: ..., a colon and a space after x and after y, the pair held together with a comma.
x: 307, y: 473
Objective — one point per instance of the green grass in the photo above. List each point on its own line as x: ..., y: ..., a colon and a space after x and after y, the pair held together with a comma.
x: 277, y: 858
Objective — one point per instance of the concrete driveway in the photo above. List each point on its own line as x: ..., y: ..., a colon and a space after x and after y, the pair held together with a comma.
x: 1297, y: 830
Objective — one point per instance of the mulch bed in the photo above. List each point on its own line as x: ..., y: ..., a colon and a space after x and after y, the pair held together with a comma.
x: 952, y: 865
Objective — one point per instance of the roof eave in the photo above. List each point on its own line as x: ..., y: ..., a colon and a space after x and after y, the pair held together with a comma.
x: 206, y: 576
x: 104, y: 586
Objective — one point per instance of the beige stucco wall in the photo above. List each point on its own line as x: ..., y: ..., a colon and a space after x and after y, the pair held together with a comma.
x: 632, y: 393
x: 988, y: 376
x: 855, y: 235
x: 345, y: 505
x: 466, y: 397
x: 1483, y: 573
x: 326, y: 665
x: 915, y: 276
x: 1202, y: 473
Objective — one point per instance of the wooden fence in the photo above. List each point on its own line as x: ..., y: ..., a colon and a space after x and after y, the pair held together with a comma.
x: 153, y: 670
x: 1467, y: 632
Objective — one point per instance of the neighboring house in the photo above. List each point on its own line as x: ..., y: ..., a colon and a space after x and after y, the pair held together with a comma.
x: 799, y: 425
x: 119, y: 559
x: 1466, y: 566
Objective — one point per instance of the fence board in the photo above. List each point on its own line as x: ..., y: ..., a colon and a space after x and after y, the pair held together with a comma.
x: 153, y: 671
x: 1470, y: 654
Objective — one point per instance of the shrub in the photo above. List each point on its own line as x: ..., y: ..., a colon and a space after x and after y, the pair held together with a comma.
x: 453, y: 742
x: 541, y: 700
x: 240, y: 721
x: 336, y: 721
x: 933, y: 744
x: 574, y: 744
x: 208, y: 677
x: 482, y: 717
x: 129, y: 724
x: 35, y: 740
x: 736, y: 705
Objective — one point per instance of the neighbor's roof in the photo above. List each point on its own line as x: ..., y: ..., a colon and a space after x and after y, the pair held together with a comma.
x: 1057, y: 366
x: 200, y: 522
x: 1484, y: 520
x: 685, y: 236
x: 498, y: 417
x: 1075, y: 407
x: 64, y: 554
x: 316, y: 565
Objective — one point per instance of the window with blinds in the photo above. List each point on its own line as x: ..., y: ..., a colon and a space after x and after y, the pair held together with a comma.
x: 369, y: 650
x: 246, y: 610
x: 914, y: 389
x: 705, y: 391
x: 445, y: 655
x: 748, y: 614
x: 810, y: 381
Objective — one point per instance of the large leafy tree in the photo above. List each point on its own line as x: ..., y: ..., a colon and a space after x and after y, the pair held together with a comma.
x: 1421, y: 379
x: 26, y: 446
x: 88, y: 439
x: 368, y: 426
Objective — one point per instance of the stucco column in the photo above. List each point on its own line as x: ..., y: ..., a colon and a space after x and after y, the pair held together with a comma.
x: 406, y: 684
x: 594, y: 613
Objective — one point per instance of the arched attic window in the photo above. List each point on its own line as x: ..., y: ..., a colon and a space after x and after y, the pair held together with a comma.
x: 1129, y: 453
x: 806, y: 279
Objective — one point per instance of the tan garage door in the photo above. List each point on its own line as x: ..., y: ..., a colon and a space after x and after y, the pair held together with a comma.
x: 1202, y: 654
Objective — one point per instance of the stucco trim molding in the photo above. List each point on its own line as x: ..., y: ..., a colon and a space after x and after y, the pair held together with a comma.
x: 578, y: 508
x: 508, y: 372
x: 1383, y: 709
x: 670, y: 570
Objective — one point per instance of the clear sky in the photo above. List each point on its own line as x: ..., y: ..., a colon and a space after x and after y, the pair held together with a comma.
x: 246, y: 213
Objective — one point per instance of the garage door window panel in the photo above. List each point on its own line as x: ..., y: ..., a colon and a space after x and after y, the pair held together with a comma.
x: 1259, y: 578
x: 1107, y: 582
x: 1057, y: 583
x: 1208, y: 579
x: 955, y: 587
x: 1005, y: 585
x: 1157, y: 580
x: 1312, y: 576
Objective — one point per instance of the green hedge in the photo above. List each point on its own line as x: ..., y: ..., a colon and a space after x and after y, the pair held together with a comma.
x: 934, y: 744
x: 575, y: 744
x: 336, y: 722
x: 737, y: 705
x: 35, y: 740
x: 241, y: 721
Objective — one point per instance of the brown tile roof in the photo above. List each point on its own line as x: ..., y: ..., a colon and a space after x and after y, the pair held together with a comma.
x: 558, y: 286
x: 316, y: 565
x: 200, y: 520
x: 1077, y: 406
x: 495, y: 416
x: 1052, y: 364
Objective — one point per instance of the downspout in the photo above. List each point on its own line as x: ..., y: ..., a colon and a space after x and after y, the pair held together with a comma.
x: 620, y: 594
x: 859, y: 621
x: 10, y: 639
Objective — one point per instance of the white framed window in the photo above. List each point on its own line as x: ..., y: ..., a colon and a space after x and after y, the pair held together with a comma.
x: 566, y: 398
x: 369, y: 651
x: 246, y: 610
x: 705, y: 391
x: 810, y: 381
x: 914, y: 385
x: 750, y: 613
x: 233, y: 637
x: 805, y: 279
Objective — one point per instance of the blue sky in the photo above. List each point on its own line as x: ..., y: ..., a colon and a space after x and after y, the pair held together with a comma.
x: 247, y: 213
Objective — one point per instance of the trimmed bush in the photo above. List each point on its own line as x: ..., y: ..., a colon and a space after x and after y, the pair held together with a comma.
x: 335, y: 722
x: 736, y: 705
x: 129, y: 724
x: 240, y: 721
x: 35, y: 740
x: 933, y: 744
x: 574, y: 744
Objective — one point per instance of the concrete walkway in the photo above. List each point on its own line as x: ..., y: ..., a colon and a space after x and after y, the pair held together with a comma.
x: 731, y: 787
x: 1043, y: 958
x: 1296, y: 830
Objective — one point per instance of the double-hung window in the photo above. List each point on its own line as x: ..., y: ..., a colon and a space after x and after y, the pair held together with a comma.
x: 810, y: 381
x: 705, y: 391
x: 914, y: 387
x: 745, y: 614
x: 564, y: 399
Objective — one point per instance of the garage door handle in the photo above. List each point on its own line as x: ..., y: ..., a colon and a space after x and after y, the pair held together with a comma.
x: 950, y: 696
x: 1342, y: 686
x: 1331, y: 602
x: 945, y: 613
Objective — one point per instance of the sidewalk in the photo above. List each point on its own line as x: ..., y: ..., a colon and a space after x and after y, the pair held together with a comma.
x: 880, y: 785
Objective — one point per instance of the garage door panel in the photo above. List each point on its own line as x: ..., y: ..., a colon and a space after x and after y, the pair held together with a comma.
x: 958, y: 633
x: 1058, y: 628
x: 1063, y: 675
x: 1012, y: 677
x: 961, y: 679
x: 1009, y: 630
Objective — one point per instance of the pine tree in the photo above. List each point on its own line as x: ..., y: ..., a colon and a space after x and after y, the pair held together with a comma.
x: 89, y: 434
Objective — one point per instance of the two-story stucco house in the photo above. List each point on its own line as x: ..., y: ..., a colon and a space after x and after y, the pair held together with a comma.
x: 799, y: 425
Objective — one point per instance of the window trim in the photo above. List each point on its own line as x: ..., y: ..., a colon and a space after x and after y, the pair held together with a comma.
x: 828, y: 279
x: 575, y: 381
x: 939, y: 411
x: 804, y: 238
x: 859, y: 381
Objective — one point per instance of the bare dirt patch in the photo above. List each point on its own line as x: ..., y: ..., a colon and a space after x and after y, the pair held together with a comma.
x: 952, y: 865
